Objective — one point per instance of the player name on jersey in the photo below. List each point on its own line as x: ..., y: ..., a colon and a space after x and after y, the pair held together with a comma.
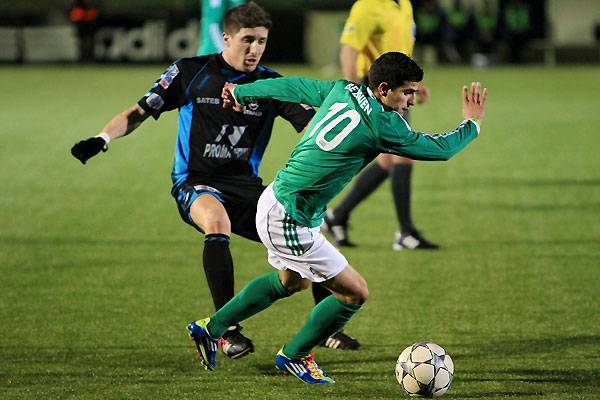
x: 360, y: 97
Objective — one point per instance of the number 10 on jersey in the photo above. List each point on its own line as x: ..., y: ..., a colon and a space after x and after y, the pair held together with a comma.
x: 323, y: 128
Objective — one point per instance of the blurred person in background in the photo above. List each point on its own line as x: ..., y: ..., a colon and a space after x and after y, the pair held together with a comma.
x: 460, y: 32
x: 84, y: 15
x: 211, y: 24
x: 375, y: 27
x: 432, y: 28
x: 486, y: 33
x: 517, y: 29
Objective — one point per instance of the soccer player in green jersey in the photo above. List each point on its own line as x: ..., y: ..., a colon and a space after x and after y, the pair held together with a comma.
x: 353, y: 125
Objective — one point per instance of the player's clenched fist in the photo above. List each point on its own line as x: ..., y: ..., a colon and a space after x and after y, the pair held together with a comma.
x: 88, y: 148
x: 229, y: 99
x: 473, y: 102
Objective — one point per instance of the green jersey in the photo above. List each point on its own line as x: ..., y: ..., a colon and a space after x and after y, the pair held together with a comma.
x: 350, y: 129
x: 211, y: 29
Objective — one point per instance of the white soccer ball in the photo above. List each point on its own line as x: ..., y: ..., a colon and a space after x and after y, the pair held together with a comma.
x: 425, y: 369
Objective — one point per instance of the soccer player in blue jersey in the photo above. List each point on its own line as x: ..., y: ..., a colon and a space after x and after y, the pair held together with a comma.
x: 218, y: 152
x: 354, y: 124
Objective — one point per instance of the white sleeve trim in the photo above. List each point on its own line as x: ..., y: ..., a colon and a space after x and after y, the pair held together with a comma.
x: 403, y: 120
x: 233, y: 94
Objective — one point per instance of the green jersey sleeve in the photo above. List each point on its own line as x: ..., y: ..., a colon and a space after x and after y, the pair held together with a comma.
x: 397, y: 137
x: 293, y: 89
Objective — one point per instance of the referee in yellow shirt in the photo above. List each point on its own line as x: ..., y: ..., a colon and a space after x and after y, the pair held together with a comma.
x: 375, y: 27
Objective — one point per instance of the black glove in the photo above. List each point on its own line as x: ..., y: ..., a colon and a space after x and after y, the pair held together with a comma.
x: 88, y: 148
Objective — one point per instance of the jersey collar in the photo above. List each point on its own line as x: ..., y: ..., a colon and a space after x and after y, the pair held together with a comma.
x: 232, y: 74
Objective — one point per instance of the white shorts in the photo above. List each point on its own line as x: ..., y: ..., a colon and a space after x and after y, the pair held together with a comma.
x: 293, y: 246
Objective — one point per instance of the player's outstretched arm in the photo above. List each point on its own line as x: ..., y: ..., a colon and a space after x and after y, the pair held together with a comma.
x: 122, y: 124
x: 473, y: 102
x: 292, y: 90
x: 432, y: 147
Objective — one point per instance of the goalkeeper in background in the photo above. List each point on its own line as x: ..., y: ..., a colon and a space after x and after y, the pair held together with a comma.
x: 354, y: 124
x: 373, y: 28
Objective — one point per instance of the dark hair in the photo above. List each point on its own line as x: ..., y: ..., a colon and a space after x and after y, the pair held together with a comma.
x: 249, y: 15
x: 395, y: 68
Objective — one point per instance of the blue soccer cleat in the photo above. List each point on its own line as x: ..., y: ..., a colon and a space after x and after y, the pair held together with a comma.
x: 205, y: 345
x: 305, y: 368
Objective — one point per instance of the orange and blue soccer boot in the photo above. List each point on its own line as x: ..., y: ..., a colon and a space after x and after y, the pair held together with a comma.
x: 305, y: 368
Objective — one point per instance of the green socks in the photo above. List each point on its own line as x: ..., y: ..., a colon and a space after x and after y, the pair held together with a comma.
x: 257, y: 295
x: 325, y: 319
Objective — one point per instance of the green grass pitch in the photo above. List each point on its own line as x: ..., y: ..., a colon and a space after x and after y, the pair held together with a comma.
x: 98, y: 275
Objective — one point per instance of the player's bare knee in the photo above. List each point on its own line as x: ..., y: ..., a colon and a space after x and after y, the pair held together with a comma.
x: 360, y: 291
x: 361, y: 294
x: 402, y: 160
x: 294, y: 283
x: 212, y: 221
x: 217, y: 225
x: 354, y: 298
x: 357, y: 295
x: 385, y: 161
x: 295, y: 287
x: 210, y: 215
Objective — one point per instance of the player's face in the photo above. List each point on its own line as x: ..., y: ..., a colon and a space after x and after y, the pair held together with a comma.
x: 244, y: 49
x: 401, y: 98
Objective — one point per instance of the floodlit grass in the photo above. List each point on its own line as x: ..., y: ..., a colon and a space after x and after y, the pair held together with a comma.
x: 98, y: 276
